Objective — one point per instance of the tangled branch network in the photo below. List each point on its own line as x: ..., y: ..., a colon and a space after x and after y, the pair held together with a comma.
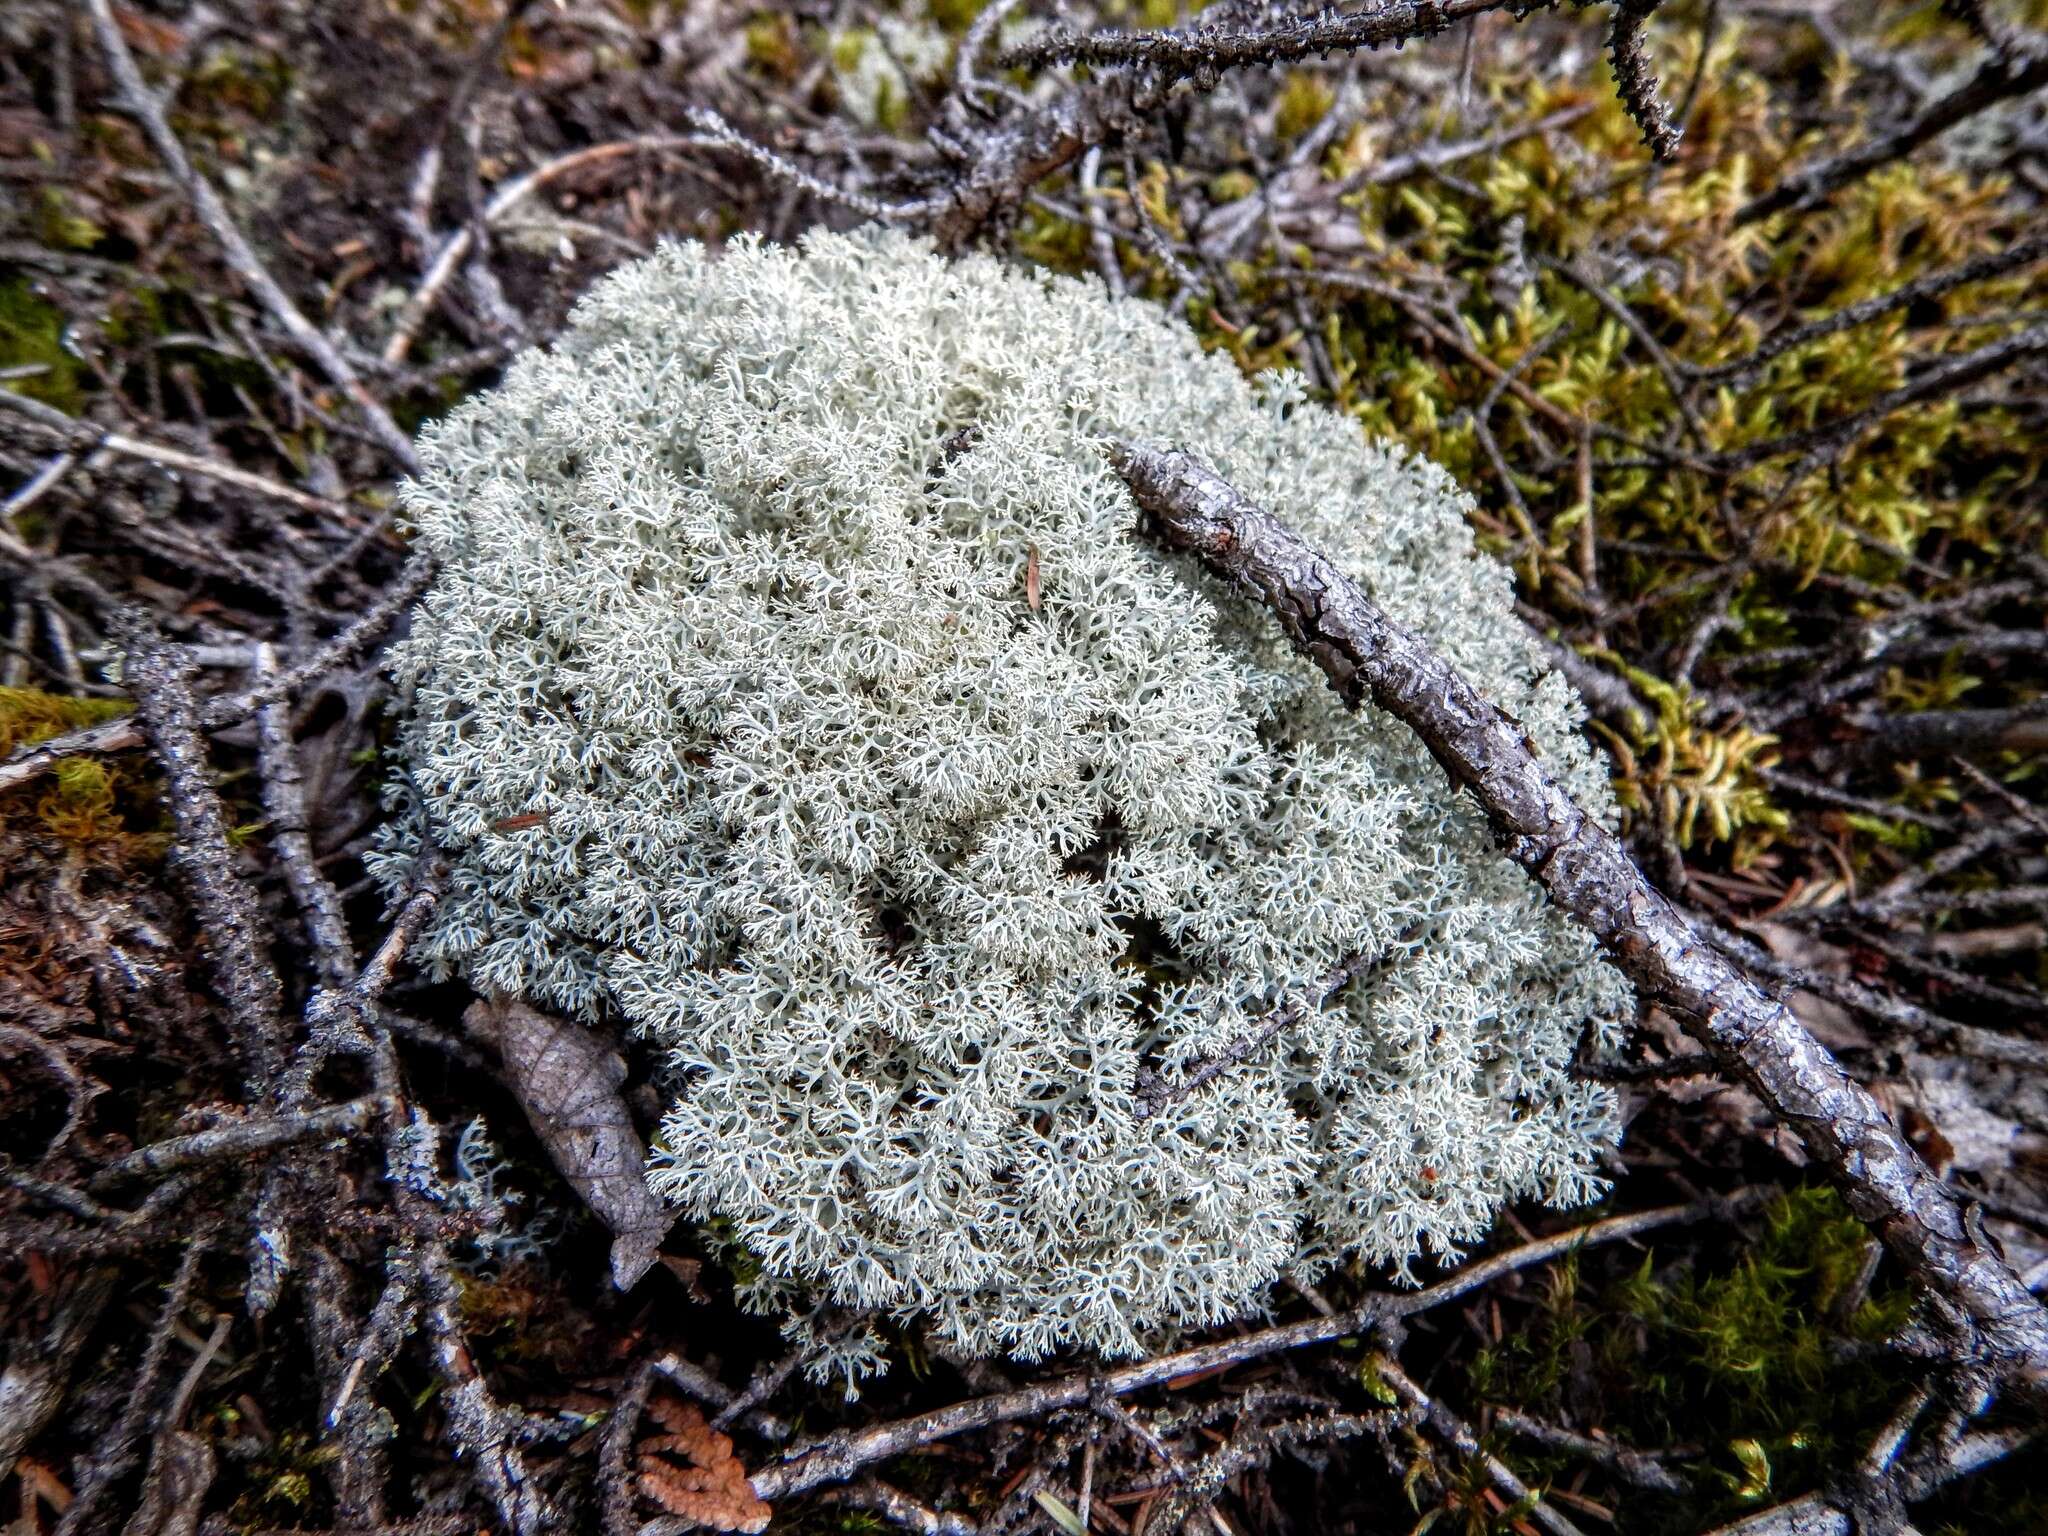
x: 1039, y: 945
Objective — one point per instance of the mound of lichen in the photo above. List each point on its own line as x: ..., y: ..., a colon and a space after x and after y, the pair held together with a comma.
x: 796, y: 688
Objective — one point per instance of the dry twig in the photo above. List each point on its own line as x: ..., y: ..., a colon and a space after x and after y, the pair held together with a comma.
x: 2012, y: 67
x: 1589, y: 874
x: 836, y: 1458
x: 230, y: 919
x: 143, y: 105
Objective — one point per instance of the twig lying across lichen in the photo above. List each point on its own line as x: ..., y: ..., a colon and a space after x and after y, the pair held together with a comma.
x: 1154, y: 1092
x: 1584, y: 867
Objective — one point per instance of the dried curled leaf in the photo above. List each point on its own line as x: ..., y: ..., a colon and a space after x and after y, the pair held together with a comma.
x: 567, y: 1080
x: 713, y: 1489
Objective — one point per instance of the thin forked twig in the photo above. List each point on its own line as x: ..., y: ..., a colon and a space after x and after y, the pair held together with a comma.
x: 1204, y: 50
x: 1155, y: 1092
x: 1458, y: 1435
x: 284, y: 802
x: 244, y: 1139
x: 2023, y: 253
x: 82, y: 438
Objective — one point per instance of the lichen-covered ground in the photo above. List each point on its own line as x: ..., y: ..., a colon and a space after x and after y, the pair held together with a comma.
x: 1760, y: 428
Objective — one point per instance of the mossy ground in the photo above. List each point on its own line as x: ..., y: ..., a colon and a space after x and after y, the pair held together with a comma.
x: 34, y: 359
x: 86, y: 802
x: 1760, y: 1356
x: 1626, y: 515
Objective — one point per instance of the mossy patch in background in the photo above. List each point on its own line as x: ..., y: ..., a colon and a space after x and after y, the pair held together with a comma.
x: 1479, y: 321
x: 34, y: 360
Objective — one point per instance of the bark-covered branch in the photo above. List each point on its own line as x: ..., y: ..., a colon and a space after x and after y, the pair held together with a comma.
x: 236, y: 934
x: 1215, y: 46
x: 1584, y: 867
x: 1142, y: 71
x: 1637, y: 81
x: 245, y: 1139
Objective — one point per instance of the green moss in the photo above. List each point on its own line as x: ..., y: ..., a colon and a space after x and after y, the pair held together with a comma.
x: 138, y: 317
x: 32, y: 337
x: 1305, y: 100
x: 238, y: 82
x: 29, y: 716
x: 892, y: 107
x: 1757, y: 1359
x: 956, y: 16
x: 91, y: 803
x: 61, y: 225
x: 284, y: 1478
x: 1702, y: 783
x: 773, y: 46
x: 1051, y: 241
x: 849, y: 46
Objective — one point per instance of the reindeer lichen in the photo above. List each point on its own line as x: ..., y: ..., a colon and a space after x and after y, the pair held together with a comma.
x: 796, y: 689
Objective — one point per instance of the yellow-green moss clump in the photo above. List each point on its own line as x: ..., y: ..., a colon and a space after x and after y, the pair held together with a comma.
x: 1752, y: 1359
x: 83, y: 801
x: 32, y: 342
